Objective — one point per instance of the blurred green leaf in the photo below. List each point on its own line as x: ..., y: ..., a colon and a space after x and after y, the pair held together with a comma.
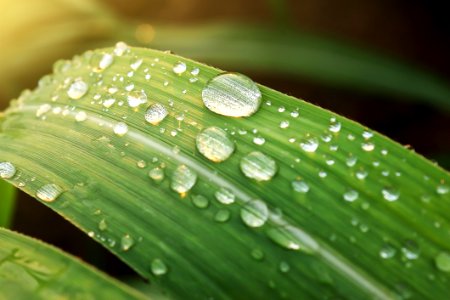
x: 350, y: 214
x: 7, y: 203
x: 30, y: 269
x: 286, y: 52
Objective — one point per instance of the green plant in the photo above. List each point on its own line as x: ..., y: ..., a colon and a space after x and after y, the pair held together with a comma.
x: 342, y: 211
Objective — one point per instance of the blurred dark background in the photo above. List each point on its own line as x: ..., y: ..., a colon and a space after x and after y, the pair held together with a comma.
x: 412, y: 32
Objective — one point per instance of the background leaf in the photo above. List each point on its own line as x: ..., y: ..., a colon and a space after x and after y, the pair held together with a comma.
x: 30, y: 269
x: 7, y: 201
x: 372, y: 223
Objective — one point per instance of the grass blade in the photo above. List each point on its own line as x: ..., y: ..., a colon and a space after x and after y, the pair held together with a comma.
x: 7, y: 201
x: 32, y: 269
x: 370, y: 222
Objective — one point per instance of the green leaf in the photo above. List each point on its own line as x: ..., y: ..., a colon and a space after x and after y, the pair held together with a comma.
x: 350, y: 213
x: 7, y: 203
x: 30, y: 269
x: 287, y: 52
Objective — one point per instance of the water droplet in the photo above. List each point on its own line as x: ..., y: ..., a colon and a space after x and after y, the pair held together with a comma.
x: 232, y: 94
x: 442, y: 189
x: 292, y: 238
x: 284, y: 267
x: 136, y: 64
x: 49, y: 192
x: 368, y: 146
x: 300, y: 186
x: 77, y: 89
x: 351, y: 161
x: 141, y: 164
x: 255, y: 213
x: 120, y: 129
x: 156, y: 113
x: 410, y: 250
x: 157, y: 174
x: 126, y: 242
x: 258, y: 140
x: 214, y: 144
x: 195, y: 71
x: 284, y: 124
x: 183, y: 179
x: 367, y: 135
x: 361, y: 174
x: 106, y: 60
x: 351, y: 195
x: 200, y: 201
x: 295, y: 113
x: 224, y: 196
x: 136, y: 98
x: 222, y: 215
x: 390, y: 194
x: 81, y: 116
x: 335, y: 126
x: 442, y: 261
x: 257, y: 254
x: 387, y: 251
x: 43, y: 109
x: 309, y: 144
x: 120, y: 48
x: 158, y: 267
x: 102, y: 225
x: 7, y: 170
x: 179, y: 68
x: 109, y: 102
x: 258, y: 166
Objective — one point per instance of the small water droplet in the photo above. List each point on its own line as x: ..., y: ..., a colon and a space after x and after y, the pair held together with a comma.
x: 156, y: 113
x: 157, y: 174
x: 295, y: 113
x: 390, y: 194
x: 361, y: 174
x: 43, y: 109
x: 368, y: 146
x: 232, y: 94
x: 256, y: 165
x: 259, y: 140
x: 284, y: 267
x: 136, y: 63
x: 442, y: 261
x: 158, y: 267
x: 49, y: 192
x: 257, y: 254
x: 367, y: 135
x: 284, y: 124
x: 222, y: 215
x: 141, y: 164
x: 309, y: 144
x: 109, y: 102
x: 290, y: 237
x: 224, y: 196
x: 120, y: 48
x: 179, y: 68
x: 351, y: 195
x: 255, y: 213
x: 300, y: 186
x: 106, y: 60
x: 335, y: 126
x: 387, y: 251
x: 200, y: 201
x: 126, y: 242
x: 214, y: 144
x: 102, y: 225
x: 77, y: 89
x: 136, y: 98
x: 7, y: 170
x: 410, y: 250
x: 442, y: 189
x: 120, y: 129
x: 351, y: 161
x: 81, y: 116
x: 183, y: 179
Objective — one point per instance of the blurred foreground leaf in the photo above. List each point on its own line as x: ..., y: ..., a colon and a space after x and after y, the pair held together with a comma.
x: 348, y: 214
x: 30, y: 269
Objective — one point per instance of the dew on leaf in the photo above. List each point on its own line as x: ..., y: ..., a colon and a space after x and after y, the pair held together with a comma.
x: 256, y: 165
x: 179, y: 68
x: 300, y: 186
x: 442, y: 261
x: 390, y: 194
x: 183, y: 179
x: 222, y: 215
x: 157, y: 174
x: 255, y: 213
x: 158, y: 267
x: 224, y: 196
x: 120, y: 129
x: 214, y: 144
x: 136, y: 98
x: 200, y: 201
x: 77, y: 89
x: 49, y: 192
x: 350, y: 195
x: 7, y: 170
x: 232, y: 94
x: 309, y: 144
x: 155, y: 113
x: 126, y: 242
x: 387, y: 251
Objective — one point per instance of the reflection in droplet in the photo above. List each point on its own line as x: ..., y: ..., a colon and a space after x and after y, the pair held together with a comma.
x: 49, y: 192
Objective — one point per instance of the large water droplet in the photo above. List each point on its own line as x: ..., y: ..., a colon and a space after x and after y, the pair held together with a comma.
x: 49, y: 192
x: 290, y: 237
x: 224, y: 196
x: 7, y: 170
x: 255, y: 213
x: 390, y: 194
x: 310, y: 144
x: 300, y: 186
x: 442, y: 261
x: 77, y: 89
x: 158, y: 267
x: 156, y: 113
x: 120, y: 129
x: 232, y: 94
x: 179, y: 68
x: 183, y: 179
x: 387, y: 251
x: 136, y: 98
x: 126, y: 242
x: 256, y: 165
x: 214, y: 144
